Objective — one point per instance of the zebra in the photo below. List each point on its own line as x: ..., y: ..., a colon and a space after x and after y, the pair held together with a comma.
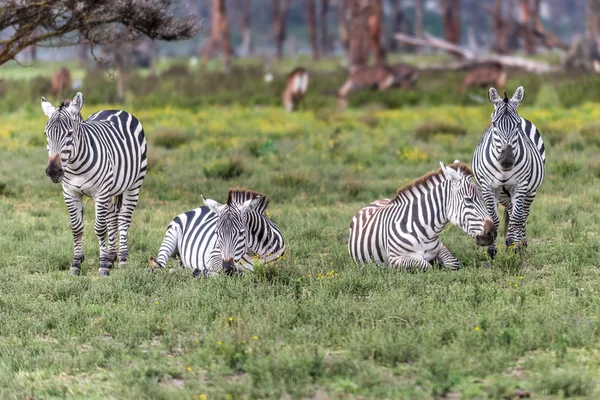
x: 509, y: 166
x: 222, y: 237
x: 103, y: 157
x: 403, y: 231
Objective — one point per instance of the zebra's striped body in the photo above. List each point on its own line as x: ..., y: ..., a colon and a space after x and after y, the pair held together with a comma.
x: 103, y: 157
x: 509, y: 166
x: 403, y: 232
x: 223, y: 237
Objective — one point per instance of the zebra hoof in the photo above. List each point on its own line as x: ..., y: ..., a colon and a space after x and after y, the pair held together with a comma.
x: 491, y: 252
x: 73, y: 271
x: 103, y: 271
x: 196, y: 273
x: 149, y: 270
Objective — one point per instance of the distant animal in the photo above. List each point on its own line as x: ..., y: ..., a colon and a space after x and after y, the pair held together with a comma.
x: 484, y: 75
x: 404, y: 75
x: 103, y: 157
x: 379, y: 77
x: 404, y: 232
x: 61, y: 81
x: 295, y: 88
x: 222, y: 237
x: 509, y: 166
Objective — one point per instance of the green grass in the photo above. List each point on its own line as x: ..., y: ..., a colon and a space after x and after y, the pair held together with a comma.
x: 317, y: 324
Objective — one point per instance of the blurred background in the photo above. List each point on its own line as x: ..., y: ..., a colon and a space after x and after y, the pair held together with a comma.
x: 242, y: 51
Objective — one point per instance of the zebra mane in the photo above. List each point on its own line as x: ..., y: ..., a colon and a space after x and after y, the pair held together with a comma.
x: 239, y: 196
x: 65, y: 103
x: 434, y: 177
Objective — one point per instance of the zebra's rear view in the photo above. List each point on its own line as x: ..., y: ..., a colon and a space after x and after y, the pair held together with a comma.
x: 403, y: 231
x: 509, y: 165
x: 222, y: 237
x: 103, y: 157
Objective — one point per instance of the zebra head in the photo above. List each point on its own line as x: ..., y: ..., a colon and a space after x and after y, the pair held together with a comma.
x: 231, y: 229
x: 62, y: 123
x: 466, y: 207
x: 506, y: 125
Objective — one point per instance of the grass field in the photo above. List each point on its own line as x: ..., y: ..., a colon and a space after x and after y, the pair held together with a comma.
x: 317, y: 325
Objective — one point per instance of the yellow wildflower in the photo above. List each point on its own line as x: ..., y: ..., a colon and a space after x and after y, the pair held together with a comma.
x: 202, y: 397
x: 219, y: 343
x: 189, y: 369
x: 254, y: 337
x: 477, y: 328
x: 156, y: 303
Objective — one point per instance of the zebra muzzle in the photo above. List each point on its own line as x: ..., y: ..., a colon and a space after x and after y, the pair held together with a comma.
x: 489, y: 234
x: 54, y: 171
x: 507, y: 158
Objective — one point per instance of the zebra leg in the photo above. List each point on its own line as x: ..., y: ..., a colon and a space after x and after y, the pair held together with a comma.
x: 74, y: 204
x: 491, y: 202
x: 168, y: 248
x: 409, y: 262
x: 446, y: 258
x: 517, y: 221
x: 112, y: 222
x: 529, y: 197
x: 100, y: 227
x: 130, y: 198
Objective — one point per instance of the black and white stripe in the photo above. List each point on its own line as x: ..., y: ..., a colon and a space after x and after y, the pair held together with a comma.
x: 223, y: 237
x: 509, y: 166
x: 403, y: 232
x: 103, y: 157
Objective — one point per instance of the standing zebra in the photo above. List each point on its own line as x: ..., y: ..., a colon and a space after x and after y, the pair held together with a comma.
x: 509, y: 166
x: 103, y: 157
x: 225, y: 237
x: 403, y: 231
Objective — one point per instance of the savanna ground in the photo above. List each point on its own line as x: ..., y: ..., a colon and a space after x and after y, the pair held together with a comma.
x: 315, y: 326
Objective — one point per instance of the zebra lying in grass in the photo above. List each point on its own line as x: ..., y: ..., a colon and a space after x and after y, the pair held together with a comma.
x: 403, y: 231
x: 103, y: 157
x: 222, y: 237
x: 509, y: 166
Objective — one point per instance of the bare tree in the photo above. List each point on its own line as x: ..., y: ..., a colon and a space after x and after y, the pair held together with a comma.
x: 500, y: 28
x: 246, y: 7
x: 375, y: 26
x: 312, y: 28
x: 419, y: 20
x: 323, y: 24
x: 68, y: 22
x: 219, y: 34
x: 280, y: 24
x: 451, y: 20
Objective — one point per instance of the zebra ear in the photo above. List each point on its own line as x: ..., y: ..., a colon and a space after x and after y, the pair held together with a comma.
x: 250, y: 205
x: 76, y: 105
x: 450, y: 173
x: 518, y: 96
x: 494, y: 96
x: 47, y: 107
x: 212, y: 205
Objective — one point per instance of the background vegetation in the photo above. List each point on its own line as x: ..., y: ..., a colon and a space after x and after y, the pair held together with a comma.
x: 315, y: 325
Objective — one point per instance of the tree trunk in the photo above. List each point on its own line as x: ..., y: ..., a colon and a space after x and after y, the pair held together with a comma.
x: 419, y: 21
x: 451, y: 20
x: 120, y: 61
x: 358, y: 34
x: 528, y: 21
x: 280, y: 24
x: 219, y: 34
x: 246, y: 7
x: 500, y: 29
x: 323, y: 21
x: 312, y: 28
x: 375, y: 27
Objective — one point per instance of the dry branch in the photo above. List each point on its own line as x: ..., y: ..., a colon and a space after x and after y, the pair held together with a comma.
x: 473, y: 58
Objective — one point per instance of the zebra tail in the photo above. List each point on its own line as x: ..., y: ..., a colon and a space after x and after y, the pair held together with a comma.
x: 506, y: 220
x: 119, y: 202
